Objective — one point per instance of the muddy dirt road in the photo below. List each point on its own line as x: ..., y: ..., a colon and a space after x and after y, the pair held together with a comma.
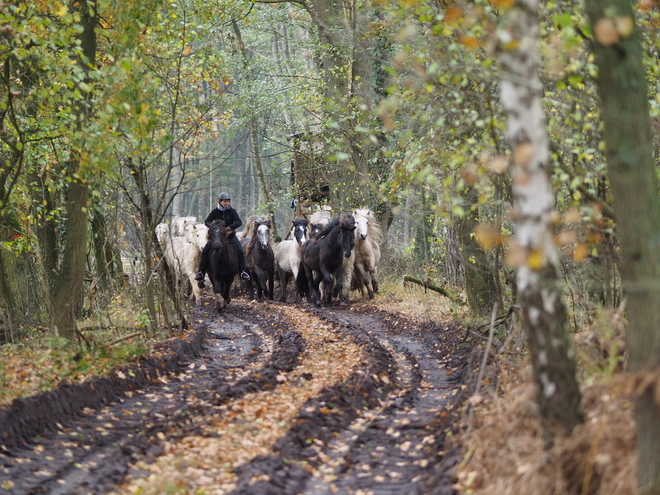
x: 268, y: 398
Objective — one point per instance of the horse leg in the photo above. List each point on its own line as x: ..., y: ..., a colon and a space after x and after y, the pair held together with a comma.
x: 374, y: 280
x: 195, y: 290
x: 367, y: 278
x: 271, y: 284
x: 283, y: 275
x: 260, y: 276
x: 220, y: 303
x: 313, y: 286
x: 329, y: 288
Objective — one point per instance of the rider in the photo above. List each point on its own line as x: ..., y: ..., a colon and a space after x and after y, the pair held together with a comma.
x: 224, y: 212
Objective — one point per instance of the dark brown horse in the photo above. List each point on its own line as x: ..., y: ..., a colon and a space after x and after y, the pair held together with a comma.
x: 322, y: 259
x: 223, y: 264
x: 260, y: 260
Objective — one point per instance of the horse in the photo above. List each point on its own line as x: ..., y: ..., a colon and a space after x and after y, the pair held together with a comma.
x: 367, y: 251
x: 317, y: 221
x: 251, y: 225
x: 223, y: 264
x: 287, y: 254
x: 260, y: 260
x: 325, y: 256
x: 183, y: 259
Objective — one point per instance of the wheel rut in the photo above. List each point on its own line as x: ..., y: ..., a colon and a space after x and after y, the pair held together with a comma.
x: 393, y: 449
x: 255, y: 414
x: 94, y: 450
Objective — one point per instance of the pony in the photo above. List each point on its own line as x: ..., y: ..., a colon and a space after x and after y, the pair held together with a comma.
x: 179, y: 225
x: 325, y: 255
x: 260, y: 259
x: 367, y: 251
x: 183, y: 259
x: 197, y: 234
x: 251, y: 225
x: 223, y: 264
x: 317, y: 221
x: 287, y: 254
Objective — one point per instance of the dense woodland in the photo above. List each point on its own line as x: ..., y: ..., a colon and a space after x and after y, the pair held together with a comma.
x: 509, y: 148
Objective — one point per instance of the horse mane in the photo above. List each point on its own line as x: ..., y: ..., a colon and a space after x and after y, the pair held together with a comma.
x: 218, y: 224
x: 300, y: 221
x: 251, y: 225
x: 327, y: 228
x: 320, y: 217
x: 375, y: 229
x: 347, y: 221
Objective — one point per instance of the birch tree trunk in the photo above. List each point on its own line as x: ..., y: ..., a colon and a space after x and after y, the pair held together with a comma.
x: 629, y: 152
x: 532, y: 252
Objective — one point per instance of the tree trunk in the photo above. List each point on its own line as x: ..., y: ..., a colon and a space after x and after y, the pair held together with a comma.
x: 533, y: 252
x: 480, y: 284
x: 629, y: 152
x: 70, y: 276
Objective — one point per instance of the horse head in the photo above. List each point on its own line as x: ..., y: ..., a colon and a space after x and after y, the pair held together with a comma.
x: 347, y: 234
x: 362, y: 225
x: 263, y: 234
x: 218, y: 234
x: 300, y: 230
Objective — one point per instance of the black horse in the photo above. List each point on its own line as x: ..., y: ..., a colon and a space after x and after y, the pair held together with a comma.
x: 260, y: 260
x: 322, y: 260
x: 223, y: 264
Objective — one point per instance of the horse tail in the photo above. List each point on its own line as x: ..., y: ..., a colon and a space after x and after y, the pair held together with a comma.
x: 302, y: 282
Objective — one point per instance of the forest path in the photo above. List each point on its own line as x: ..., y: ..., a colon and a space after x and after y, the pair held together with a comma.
x: 283, y: 399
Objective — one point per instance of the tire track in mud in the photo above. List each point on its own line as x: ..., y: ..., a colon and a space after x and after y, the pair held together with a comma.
x: 389, y: 435
x: 378, y: 430
x: 396, y: 449
x: 93, y: 451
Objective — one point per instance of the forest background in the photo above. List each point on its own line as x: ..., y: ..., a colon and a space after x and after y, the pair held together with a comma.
x: 116, y: 116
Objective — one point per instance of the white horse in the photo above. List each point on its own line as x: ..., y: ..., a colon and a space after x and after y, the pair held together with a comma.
x: 367, y: 251
x: 197, y: 234
x: 317, y: 221
x: 287, y: 254
x: 182, y: 257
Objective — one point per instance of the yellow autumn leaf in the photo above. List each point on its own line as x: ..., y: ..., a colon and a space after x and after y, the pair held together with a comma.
x: 502, y: 4
x: 580, y: 252
x: 523, y: 154
x: 536, y: 259
x: 60, y: 9
x: 469, y: 41
x: 452, y: 14
x: 488, y: 236
x: 605, y: 32
x: 499, y: 164
x: 624, y: 25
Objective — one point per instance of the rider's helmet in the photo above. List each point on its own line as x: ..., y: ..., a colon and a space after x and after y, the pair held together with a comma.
x: 224, y: 195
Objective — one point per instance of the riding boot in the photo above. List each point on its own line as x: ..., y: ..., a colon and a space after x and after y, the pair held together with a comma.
x: 202, y: 266
x: 241, y: 259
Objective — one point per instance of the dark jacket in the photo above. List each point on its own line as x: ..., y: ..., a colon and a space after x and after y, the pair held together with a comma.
x: 229, y: 216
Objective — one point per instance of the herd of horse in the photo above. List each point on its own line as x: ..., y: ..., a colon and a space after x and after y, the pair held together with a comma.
x: 325, y: 257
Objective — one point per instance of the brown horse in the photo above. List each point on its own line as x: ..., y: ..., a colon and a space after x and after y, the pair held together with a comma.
x: 260, y: 260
